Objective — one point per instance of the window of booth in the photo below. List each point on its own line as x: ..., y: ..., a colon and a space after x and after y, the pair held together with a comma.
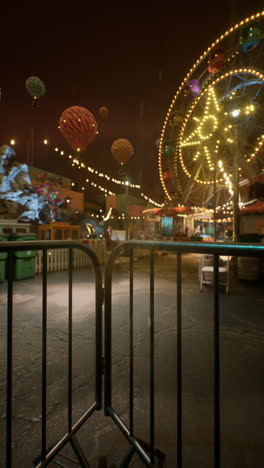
x: 74, y: 234
x: 67, y: 234
x: 45, y: 234
x: 58, y: 234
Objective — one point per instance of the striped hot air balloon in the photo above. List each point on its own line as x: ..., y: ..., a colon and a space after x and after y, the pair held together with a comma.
x: 122, y: 150
x: 78, y: 126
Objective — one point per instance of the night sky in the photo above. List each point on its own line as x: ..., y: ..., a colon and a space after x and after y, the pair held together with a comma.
x: 131, y: 60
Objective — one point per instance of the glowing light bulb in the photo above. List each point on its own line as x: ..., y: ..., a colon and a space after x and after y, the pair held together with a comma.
x: 235, y: 112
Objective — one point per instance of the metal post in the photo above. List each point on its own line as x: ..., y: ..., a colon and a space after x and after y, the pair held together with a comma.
x: 215, y: 196
x: 126, y: 214
x: 9, y: 364
x: 179, y: 360
x: 236, y: 221
x: 217, y: 406
x: 131, y: 343
x: 44, y: 357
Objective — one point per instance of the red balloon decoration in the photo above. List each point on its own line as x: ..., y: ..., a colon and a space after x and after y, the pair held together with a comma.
x: 78, y: 126
x: 122, y: 150
x: 167, y: 175
x: 216, y: 60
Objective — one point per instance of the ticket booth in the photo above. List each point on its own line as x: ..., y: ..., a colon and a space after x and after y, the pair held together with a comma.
x: 59, y: 231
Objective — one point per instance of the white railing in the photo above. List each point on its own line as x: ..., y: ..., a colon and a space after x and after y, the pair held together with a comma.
x: 58, y: 258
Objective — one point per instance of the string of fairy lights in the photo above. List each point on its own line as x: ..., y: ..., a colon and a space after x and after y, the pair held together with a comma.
x: 200, y: 213
x: 225, y: 209
x: 76, y: 162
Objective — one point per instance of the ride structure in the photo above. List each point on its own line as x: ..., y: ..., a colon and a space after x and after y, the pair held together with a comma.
x: 213, y: 133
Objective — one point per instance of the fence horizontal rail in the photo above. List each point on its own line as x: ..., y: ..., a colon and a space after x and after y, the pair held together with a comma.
x: 43, y: 245
x: 240, y: 249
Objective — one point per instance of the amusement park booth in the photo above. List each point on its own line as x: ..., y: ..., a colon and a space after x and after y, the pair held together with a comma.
x: 59, y: 231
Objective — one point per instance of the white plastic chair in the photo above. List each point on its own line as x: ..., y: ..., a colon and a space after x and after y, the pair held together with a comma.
x: 206, y: 272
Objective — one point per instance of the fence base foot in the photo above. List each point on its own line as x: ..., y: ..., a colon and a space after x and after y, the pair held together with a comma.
x: 158, y: 455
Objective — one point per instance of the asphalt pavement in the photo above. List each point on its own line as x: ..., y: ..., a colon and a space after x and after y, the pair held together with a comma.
x: 242, y: 379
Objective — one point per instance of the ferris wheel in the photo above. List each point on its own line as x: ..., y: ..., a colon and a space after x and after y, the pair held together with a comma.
x: 216, y: 114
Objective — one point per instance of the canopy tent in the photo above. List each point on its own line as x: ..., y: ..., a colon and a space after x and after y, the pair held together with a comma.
x: 257, y: 206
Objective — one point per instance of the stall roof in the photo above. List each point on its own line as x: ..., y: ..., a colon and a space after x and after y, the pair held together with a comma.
x: 257, y: 206
x: 166, y: 211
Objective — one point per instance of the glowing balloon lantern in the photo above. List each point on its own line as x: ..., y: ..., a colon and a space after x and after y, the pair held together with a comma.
x: 250, y: 37
x: 167, y: 175
x: 35, y: 87
x: 103, y: 112
x: 122, y: 150
x: 194, y: 86
x: 175, y: 119
x: 78, y: 126
x: 167, y: 150
x: 216, y: 60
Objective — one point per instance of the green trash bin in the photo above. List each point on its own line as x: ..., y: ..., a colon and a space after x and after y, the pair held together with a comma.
x: 3, y: 257
x: 24, y: 260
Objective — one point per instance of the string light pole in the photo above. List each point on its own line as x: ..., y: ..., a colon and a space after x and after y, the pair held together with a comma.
x: 126, y: 210
x: 36, y: 89
x: 240, y: 109
x: 122, y: 150
x: 237, y: 109
x: 236, y: 212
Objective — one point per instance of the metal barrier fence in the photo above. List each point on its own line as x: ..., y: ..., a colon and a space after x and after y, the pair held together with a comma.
x: 47, y: 455
x: 147, y: 452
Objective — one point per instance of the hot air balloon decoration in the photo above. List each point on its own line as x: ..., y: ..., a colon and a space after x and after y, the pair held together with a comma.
x: 167, y: 150
x: 122, y: 150
x: 35, y: 87
x: 217, y: 60
x: 175, y: 119
x: 78, y: 126
x: 166, y: 175
x: 103, y: 112
x: 157, y: 143
x: 194, y: 86
x: 250, y: 36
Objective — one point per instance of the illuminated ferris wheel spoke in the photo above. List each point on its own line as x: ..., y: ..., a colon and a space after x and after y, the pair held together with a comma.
x: 190, y: 183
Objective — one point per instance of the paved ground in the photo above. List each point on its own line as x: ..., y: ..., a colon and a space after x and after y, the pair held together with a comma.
x: 242, y: 382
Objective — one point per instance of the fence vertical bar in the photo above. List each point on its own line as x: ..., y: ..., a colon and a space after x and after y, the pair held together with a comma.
x: 131, y: 344
x: 217, y: 444
x: 108, y: 336
x: 9, y: 384
x: 99, y: 364
x: 152, y: 362
x: 179, y: 360
x: 70, y: 341
x: 44, y: 357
